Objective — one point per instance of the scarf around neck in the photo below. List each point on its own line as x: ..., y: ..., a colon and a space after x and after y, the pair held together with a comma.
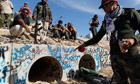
x: 110, y: 18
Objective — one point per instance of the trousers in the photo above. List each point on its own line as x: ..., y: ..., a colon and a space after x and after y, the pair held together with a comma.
x: 18, y: 30
x: 126, y: 67
x: 93, y: 29
x: 43, y: 32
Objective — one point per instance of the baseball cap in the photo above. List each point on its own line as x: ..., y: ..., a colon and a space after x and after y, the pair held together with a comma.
x: 26, y: 3
x: 105, y: 2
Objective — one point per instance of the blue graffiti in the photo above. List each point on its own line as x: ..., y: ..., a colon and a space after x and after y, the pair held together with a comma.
x: 3, y: 63
x: 97, y: 57
x: 65, y: 55
x: 21, y: 54
x: 57, y: 53
x: 3, y: 79
x: 17, y: 80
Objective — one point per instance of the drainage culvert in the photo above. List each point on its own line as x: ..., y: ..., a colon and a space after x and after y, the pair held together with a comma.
x: 88, y: 62
x: 45, y: 69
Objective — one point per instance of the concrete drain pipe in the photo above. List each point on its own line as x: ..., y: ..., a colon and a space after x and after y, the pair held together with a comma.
x: 45, y: 69
x: 88, y: 62
x: 49, y: 69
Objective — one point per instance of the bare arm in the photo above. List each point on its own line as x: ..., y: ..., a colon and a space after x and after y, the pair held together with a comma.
x: 24, y: 25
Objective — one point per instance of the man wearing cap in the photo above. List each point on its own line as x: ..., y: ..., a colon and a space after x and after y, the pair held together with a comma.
x: 26, y: 6
x: 43, y: 12
x: 122, y: 23
x: 21, y: 25
x: 94, y: 22
x: 6, y: 10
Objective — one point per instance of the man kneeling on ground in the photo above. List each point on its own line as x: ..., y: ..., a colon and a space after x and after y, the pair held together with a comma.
x: 21, y: 25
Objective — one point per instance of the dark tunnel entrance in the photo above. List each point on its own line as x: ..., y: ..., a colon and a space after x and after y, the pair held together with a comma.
x: 46, y: 69
x: 88, y: 62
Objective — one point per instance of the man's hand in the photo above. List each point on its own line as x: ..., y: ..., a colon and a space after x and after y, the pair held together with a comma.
x: 50, y: 21
x: 63, y: 30
x: 28, y: 30
x: 34, y: 17
x: 24, y: 25
x: 70, y: 33
x: 81, y: 46
x: 129, y: 42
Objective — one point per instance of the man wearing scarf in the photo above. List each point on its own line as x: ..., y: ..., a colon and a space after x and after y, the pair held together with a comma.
x: 122, y: 23
x: 43, y: 13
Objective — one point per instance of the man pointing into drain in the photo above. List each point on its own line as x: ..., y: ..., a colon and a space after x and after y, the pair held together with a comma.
x: 122, y: 23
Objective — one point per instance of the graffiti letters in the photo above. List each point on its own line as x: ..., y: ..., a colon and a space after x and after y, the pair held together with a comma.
x: 100, y: 55
x: 3, y: 49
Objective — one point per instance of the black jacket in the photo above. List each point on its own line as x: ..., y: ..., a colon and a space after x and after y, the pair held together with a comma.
x: 127, y: 24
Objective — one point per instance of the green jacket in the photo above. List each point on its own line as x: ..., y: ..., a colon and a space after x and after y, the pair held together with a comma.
x: 38, y: 12
x: 127, y: 24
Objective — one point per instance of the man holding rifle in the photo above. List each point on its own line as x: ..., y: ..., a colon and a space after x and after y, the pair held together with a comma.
x: 42, y: 12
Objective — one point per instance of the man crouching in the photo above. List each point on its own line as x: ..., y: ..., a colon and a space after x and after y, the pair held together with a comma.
x: 21, y: 25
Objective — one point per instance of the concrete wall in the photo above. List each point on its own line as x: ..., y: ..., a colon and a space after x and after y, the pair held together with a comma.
x: 18, y: 61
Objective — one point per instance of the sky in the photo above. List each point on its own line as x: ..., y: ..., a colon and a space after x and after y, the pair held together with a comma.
x: 78, y: 12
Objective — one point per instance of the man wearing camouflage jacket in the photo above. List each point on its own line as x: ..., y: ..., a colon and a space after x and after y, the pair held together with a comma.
x: 43, y: 12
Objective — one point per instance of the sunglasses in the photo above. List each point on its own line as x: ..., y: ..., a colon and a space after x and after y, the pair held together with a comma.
x: 25, y: 12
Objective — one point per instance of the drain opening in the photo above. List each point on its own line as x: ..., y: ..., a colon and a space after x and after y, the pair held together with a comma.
x: 88, y: 62
x: 46, y: 69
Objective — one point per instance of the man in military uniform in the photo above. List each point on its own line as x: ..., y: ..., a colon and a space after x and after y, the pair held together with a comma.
x: 122, y: 23
x: 43, y: 12
x: 6, y: 10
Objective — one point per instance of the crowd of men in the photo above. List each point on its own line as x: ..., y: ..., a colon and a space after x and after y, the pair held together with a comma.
x: 21, y: 26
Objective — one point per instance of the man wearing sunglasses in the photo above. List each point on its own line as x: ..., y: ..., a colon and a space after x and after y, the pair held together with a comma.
x: 122, y: 23
x: 21, y: 25
x: 26, y: 6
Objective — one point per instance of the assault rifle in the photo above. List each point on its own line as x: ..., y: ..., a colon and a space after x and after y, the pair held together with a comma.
x: 36, y: 31
x: 35, y: 34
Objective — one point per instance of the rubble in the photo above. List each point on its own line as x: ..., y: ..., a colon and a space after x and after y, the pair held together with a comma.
x: 106, y: 72
x: 5, y: 37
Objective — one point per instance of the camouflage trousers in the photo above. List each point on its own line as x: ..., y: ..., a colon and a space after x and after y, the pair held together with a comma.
x: 6, y: 20
x: 126, y: 66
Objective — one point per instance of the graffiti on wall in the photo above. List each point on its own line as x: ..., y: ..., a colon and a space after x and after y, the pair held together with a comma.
x: 65, y: 55
x: 105, y: 58
x: 23, y: 56
x: 3, y: 63
x: 100, y: 55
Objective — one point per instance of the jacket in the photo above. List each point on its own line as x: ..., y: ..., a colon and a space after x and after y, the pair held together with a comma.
x: 127, y: 24
x: 38, y: 12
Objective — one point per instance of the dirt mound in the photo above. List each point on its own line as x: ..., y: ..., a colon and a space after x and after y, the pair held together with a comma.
x: 5, y: 37
x: 106, y: 72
